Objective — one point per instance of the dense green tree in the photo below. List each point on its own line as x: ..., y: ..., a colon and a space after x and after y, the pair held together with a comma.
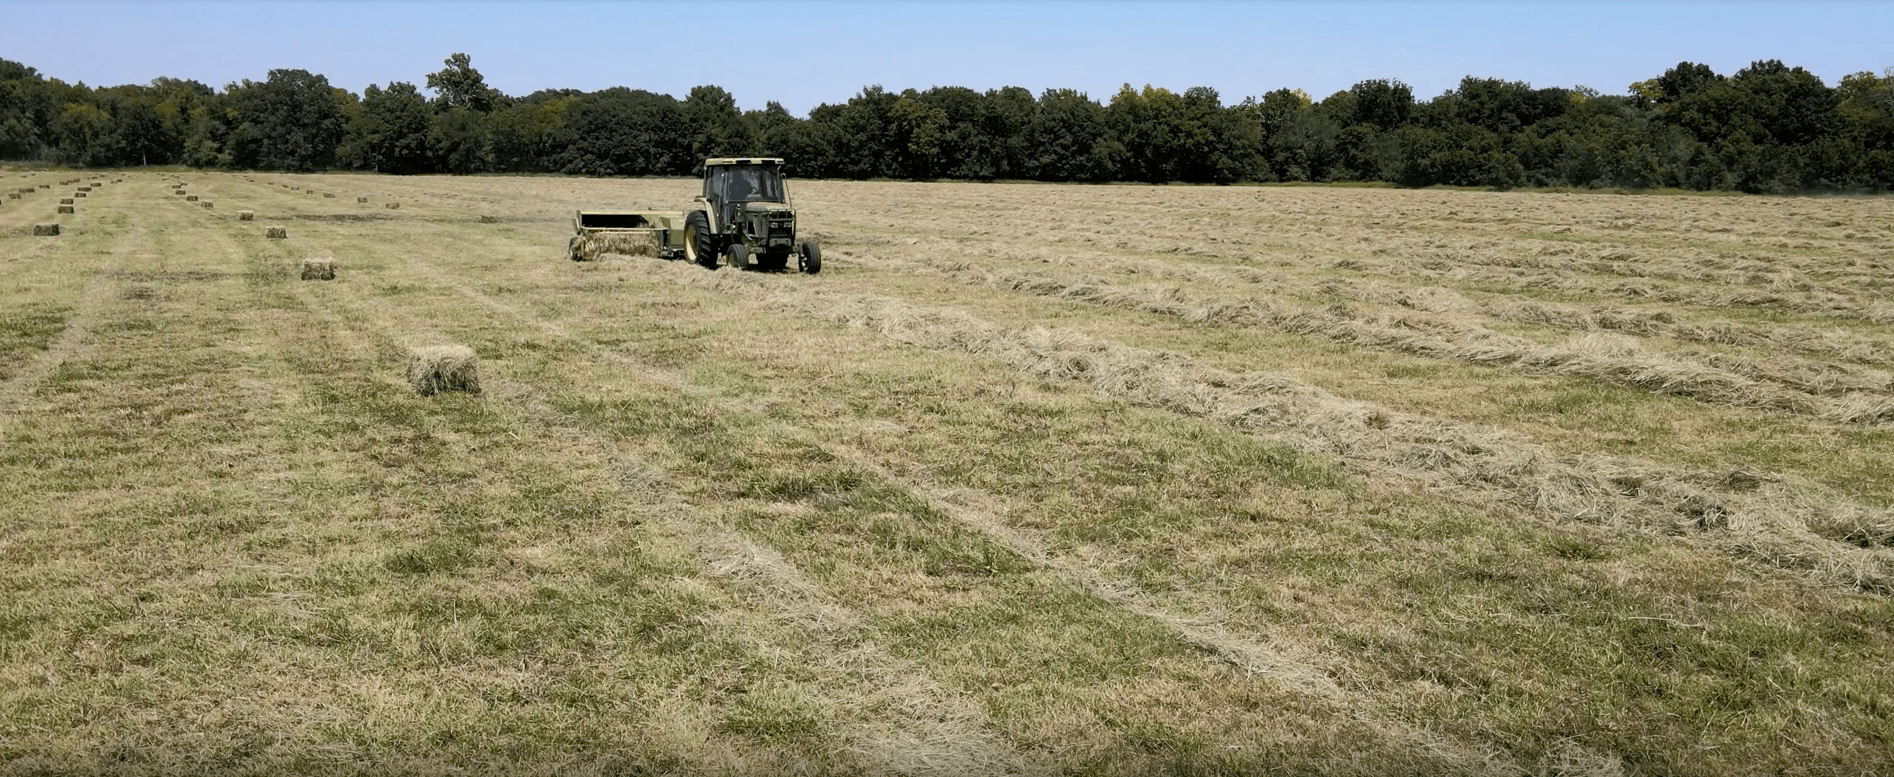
x: 390, y: 134
x: 291, y: 121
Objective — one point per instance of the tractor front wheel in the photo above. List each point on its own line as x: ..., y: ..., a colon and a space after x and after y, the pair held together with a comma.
x: 809, y: 258
x: 700, y: 245
x: 739, y: 256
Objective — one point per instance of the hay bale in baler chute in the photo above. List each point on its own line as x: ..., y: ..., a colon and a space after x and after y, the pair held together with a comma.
x: 276, y: 233
x: 439, y: 368
x: 246, y: 215
x: 588, y: 246
x: 46, y: 230
x: 318, y: 270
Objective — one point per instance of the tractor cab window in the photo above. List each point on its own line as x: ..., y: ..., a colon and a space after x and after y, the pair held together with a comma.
x: 749, y: 183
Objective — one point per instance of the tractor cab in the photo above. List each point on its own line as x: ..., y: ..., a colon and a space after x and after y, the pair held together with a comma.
x: 730, y: 184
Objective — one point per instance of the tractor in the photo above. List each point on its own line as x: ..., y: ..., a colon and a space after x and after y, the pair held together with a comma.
x: 743, y: 217
x: 746, y: 219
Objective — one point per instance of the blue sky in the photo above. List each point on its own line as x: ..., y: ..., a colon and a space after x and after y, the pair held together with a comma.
x: 805, y: 53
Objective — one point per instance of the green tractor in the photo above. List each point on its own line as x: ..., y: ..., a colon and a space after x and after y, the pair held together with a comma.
x: 745, y: 218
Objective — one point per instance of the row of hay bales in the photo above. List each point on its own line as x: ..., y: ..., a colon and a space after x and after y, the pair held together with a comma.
x: 66, y: 206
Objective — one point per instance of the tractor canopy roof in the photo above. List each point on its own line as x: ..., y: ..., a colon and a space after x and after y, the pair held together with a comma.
x: 746, y: 160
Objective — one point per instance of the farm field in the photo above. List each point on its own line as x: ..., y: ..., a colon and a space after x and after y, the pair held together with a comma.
x: 1032, y: 479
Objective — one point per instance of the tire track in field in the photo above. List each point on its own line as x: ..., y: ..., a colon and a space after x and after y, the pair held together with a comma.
x: 1791, y: 524
x: 75, y: 341
x: 937, y: 732
x: 1285, y: 664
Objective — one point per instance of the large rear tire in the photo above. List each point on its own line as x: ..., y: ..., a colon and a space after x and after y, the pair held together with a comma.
x: 699, y: 245
x: 809, y: 258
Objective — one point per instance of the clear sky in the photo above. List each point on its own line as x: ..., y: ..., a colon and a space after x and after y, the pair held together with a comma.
x: 806, y: 53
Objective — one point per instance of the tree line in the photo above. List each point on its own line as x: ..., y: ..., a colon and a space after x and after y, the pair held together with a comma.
x: 1768, y: 127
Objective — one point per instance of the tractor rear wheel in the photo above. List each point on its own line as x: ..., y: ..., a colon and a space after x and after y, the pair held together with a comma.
x: 700, y: 245
x: 809, y: 258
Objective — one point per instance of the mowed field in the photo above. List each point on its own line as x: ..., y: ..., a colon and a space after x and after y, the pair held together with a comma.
x: 1032, y: 479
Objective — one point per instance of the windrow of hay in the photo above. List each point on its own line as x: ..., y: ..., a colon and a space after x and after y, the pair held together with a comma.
x: 592, y: 245
x: 1615, y: 360
x: 1780, y: 520
x: 1820, y: 303
x: 1672, y: 324
x: 322, y: 269
x: 438, y: 368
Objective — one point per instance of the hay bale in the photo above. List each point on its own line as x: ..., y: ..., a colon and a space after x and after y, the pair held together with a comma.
x: 191, y: 198
x: 65, y: 200
x: 392, y: 205
x: 318, y: 269
x: 13, y: 195
x: 328, y: 196
x: 205, y: 203
x: 489, y: 219
x: 439, y: 368
x: 65, y: 209
x: 276, y: 233
x: 246, y: 215
x: 98, y: 183
x: 78, y: 194
x: 361, y: 199
x: 82, y: 188
x: 592, y: 245
x: 46, y: 186
x: 27, y: 190
x: 46, y: 230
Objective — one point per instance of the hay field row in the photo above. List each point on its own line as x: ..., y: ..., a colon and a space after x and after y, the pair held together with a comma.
x: 1032, y: 479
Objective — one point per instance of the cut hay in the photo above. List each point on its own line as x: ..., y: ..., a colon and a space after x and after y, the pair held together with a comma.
x: 276, y: 233
x: 588, y: 246
x: 246, y: 215
x: 46, y: 230
x: 439, y: 368
x: 318, y: 270
x: 489, y: 219
x: 392, y: 205
x: 66, y: 209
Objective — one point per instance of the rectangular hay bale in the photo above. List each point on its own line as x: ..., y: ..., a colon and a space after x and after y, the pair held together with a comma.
x: 246, y: 215
x: 392, y: 205
x: 276, y: 233
x: 361, y: 199
x: 65, y: 209
x: 439, y: 368
x: 191, y: 198
x: 318, y: 270
x: 205, y: 203
x: 65, y: 200
x: 46, y: 230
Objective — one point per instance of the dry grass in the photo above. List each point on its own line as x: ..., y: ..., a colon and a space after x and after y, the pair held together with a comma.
x: 898, y: 519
